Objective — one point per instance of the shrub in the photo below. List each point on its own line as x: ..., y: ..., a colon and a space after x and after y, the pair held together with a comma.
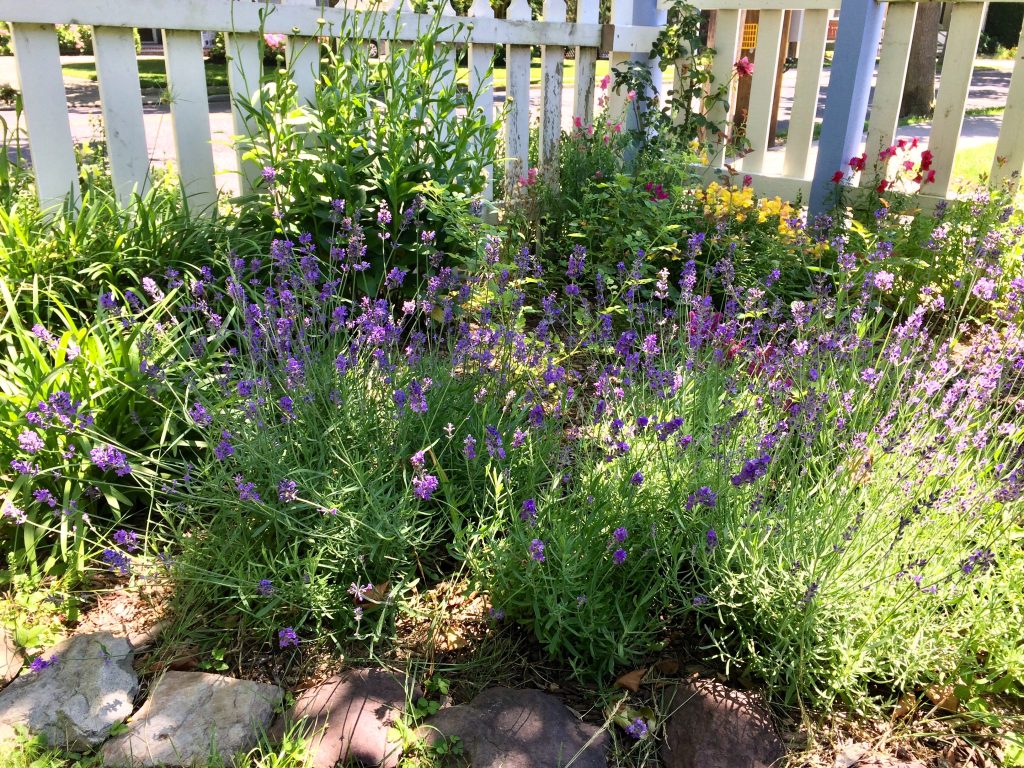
x: 375, y: 150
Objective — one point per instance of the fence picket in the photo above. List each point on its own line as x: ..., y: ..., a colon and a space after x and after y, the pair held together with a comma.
x: 481, y: 80
x: 1009, y: 160
x: 810, y: 57
x: 245, y: 68
x: 727, y: 42
x: 117, y: 70
x: 46, y: 114
x: 517, y: 101
x: 587, y: 12
x: 552, y: 69
x: 621, y: 16
x: 957, y: 68
x: 303, y: 56
x: 190, y: 113
x: 884, y: 116
x: 762, y: 88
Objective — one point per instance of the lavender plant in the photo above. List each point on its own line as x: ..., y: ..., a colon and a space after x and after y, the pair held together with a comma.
x: 378, y: 134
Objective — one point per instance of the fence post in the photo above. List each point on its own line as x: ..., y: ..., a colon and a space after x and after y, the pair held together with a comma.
x: 646, y: 14
x: 846, y: 102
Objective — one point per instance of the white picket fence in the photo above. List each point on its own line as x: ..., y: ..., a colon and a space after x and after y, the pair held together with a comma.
x: 53, y: 156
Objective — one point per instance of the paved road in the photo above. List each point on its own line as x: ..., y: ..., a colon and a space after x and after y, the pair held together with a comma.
x: 988, y: 89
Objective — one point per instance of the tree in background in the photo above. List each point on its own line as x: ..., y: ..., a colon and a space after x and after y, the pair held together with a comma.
x: 919, y: 89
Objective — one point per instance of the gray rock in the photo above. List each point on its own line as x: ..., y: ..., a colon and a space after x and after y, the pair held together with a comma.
x: 503, y: 728
x: 189, y: 715
x: 11, y: 659
x: 348, y: 716
x: 714, y: 726
x: 75, y: 701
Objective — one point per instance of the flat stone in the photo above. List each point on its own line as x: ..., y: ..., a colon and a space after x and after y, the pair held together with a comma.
x: 348, y: 717
x: 714, y: 726
x: 11, y: 659
x: 190, y: 714
x: 505, y: 728
x: 77, y: 700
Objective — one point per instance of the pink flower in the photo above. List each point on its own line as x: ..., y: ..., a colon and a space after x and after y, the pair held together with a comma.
x: 605, y: 82
x: 744, y: 67
x: 275, y: 41
x: 577, y: 122
x: 631, y: 96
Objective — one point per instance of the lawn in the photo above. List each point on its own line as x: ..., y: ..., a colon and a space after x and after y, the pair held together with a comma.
x: 152, y: 73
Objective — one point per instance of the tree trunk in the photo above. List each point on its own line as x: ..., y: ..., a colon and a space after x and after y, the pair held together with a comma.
x: 919, y: 89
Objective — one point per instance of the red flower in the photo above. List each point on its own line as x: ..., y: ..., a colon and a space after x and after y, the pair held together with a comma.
x: 882, y: 186
x: 744, y: 67
x: 858, y: 163
x: 837, y: 177
x: 926, y: 159
x: 748, y: 180
x: 930, y: 178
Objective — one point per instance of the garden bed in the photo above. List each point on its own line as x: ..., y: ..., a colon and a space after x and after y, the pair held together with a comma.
x: 630, y: 436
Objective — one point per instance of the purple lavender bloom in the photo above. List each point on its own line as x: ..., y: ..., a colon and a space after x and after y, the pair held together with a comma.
x: 537, y: 550
x: 246, y: 490
x: 287, y: 637
x: 529, y: 512
x: 424, y: 487
x: 637, y: 729
x: 13, y: 513
x: 265, y: 587
x: 40, y: 332
x: 30, y: 441
x: 127, y: 540
x: 620, y: 534
x: 810, y: 594
x: 108, y: 301
x: 287, y: 491
x: 703, y: 496
x: 116, y: 561
x: 469, y: 447
x: 577, y: 262
x: 44, y: 496
x: 268, y: 173
x: 637, y: 479
x: 23, y: 467
x: 200, y: 415
x: 699, y: 600
x: 224, y: 448
x: 883, y: 280
x: 492, y: 440
x: 107, y: 458
x: 981, y: 559
x: 40, y: 663
x: 751, y: 471
x: 395, y: 277
x: 619, y: 556
x: 712, y: 538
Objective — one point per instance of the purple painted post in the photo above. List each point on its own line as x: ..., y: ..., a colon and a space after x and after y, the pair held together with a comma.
x: 846, y: 101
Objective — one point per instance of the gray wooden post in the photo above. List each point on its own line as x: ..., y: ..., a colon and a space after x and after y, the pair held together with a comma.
x: 846, y: 101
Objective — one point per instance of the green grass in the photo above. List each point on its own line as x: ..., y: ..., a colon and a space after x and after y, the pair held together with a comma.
x: 972, y: 162
x: 152, y: 73
x: 500, y: 79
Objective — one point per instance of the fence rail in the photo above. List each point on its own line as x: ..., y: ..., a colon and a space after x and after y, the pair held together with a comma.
x: 798, y: 174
